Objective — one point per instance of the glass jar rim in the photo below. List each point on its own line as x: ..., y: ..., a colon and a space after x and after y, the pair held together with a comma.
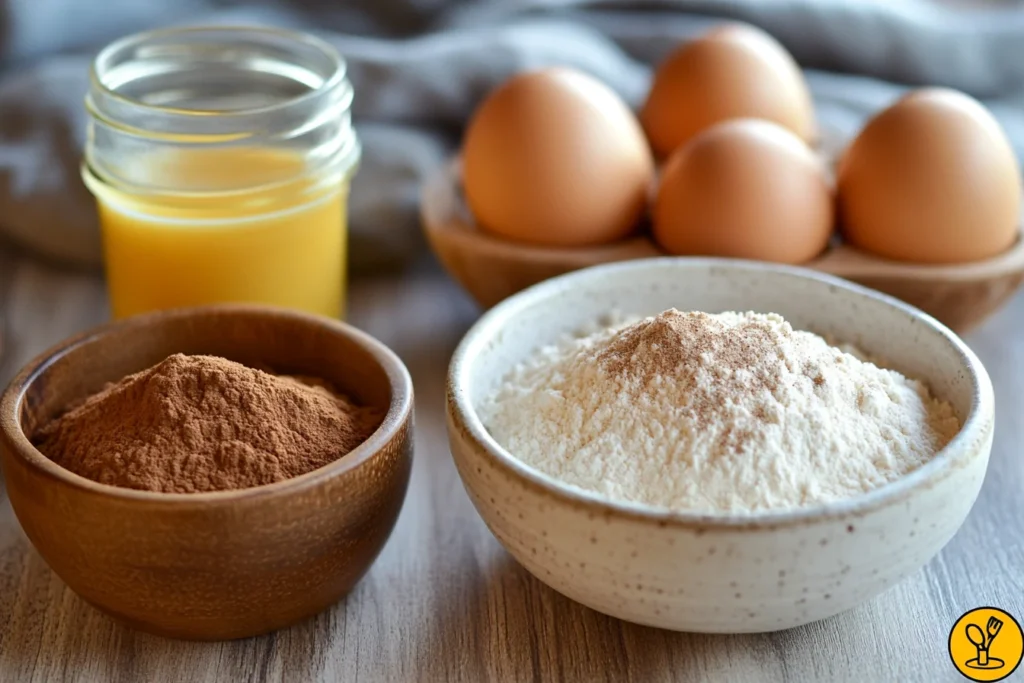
x: 104, y: 96
x: 160, y: 97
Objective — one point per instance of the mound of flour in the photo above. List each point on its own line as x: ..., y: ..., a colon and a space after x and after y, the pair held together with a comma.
x: 728, y: 412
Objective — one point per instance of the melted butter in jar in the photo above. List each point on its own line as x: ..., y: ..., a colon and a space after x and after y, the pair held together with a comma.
x: 221, y: 160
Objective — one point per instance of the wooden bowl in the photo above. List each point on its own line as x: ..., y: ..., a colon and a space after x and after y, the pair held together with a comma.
x: 226, y: 564
x: 690, y: 570
x: 491, y: 268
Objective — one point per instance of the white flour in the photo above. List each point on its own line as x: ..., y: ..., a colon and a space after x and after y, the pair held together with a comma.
x: 731, y: 412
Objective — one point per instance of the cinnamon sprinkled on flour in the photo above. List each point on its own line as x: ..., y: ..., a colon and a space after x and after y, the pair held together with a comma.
x: 664, y: 346
x: 728, y: 412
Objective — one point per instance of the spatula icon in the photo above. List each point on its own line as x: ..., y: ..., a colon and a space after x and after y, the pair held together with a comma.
x: 993, y: 628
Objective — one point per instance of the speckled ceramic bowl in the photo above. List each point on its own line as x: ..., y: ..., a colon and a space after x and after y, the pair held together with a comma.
x: 719, y: 572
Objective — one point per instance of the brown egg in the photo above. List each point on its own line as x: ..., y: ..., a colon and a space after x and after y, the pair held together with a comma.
x: 734, y: 71
x: 745, y: 188
x: 931, y: 179
x: 555, y: 157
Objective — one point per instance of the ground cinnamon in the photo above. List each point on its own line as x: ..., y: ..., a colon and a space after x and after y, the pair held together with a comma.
x: 202, y: 423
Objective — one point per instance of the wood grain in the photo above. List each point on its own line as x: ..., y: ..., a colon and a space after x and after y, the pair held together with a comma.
x: 212, y: 565
x: 445, y: 602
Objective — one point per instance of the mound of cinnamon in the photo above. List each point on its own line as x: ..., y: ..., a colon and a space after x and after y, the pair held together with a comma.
x: 202, y: 423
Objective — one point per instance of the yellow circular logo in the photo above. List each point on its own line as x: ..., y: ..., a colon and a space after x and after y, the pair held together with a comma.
x: 986, y: 644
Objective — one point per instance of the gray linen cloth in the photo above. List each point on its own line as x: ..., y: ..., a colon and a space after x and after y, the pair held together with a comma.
x: 420, y: 66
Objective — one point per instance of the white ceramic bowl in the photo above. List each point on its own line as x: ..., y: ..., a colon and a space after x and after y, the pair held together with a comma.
x: 719, y: 572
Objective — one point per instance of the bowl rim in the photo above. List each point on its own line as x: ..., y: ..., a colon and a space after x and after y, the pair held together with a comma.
x: 976, y: 427
x: 397, y: 416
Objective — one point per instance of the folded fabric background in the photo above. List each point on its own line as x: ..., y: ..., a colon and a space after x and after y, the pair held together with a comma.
x: 420, y: 66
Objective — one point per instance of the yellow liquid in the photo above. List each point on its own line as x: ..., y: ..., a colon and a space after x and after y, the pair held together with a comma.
x: 285, y: 245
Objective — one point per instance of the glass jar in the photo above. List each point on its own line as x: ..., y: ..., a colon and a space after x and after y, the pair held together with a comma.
x: 220, y: 159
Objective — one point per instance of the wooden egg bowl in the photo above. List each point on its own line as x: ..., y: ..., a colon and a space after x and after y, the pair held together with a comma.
x: 492, y: 268
x: 225, y: 564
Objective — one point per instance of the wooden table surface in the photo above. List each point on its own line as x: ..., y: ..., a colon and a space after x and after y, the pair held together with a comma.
x: 445, y: 602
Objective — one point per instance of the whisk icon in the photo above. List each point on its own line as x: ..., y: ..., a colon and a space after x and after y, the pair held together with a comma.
x: 982, y: 640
